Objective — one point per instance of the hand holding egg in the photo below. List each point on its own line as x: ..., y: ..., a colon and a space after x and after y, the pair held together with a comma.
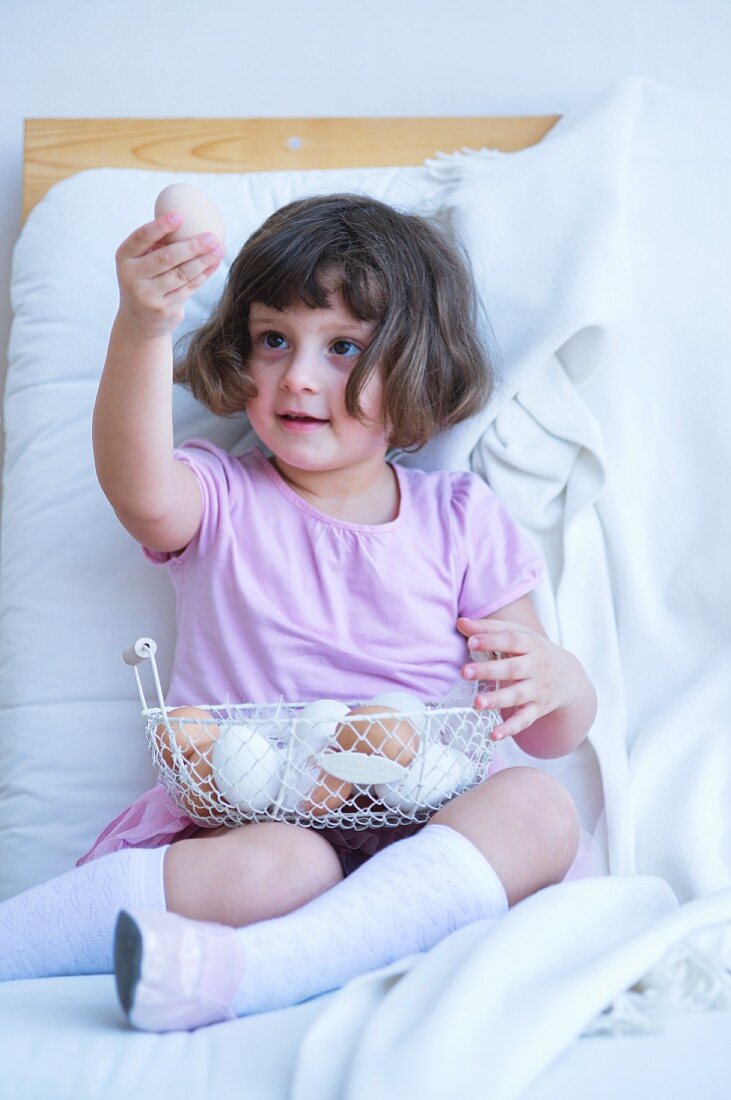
x: 199, y: 213
x: 160, y: 264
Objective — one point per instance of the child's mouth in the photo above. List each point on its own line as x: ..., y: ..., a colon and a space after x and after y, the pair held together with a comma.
x: 300, y: 422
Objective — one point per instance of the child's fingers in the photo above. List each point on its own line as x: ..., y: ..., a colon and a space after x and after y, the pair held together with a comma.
x: 468, y: 627
x: 146, y: 236
x: 512, y: 695
x: 501, y: 669
x: 517, y: 722
x: 205, y: 274
x: 514, y: 641
x: 189, y: 274
x: 181, y: 293
x: 166, y: 259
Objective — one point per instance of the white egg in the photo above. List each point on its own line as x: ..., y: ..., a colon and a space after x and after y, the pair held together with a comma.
x: 313, y: 728
x: 437, y: 773
x: 319, y: 720
x: 245, y: 767
x: 200, y: 214
x: 407, y: 703
x: 399, y: 700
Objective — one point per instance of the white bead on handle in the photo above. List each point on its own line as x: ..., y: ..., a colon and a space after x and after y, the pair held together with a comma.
x: 145, y: 649
x: 139, y: 652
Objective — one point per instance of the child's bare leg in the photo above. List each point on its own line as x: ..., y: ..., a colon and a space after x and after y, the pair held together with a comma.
x: 240, y: 876
x: 525, y: 824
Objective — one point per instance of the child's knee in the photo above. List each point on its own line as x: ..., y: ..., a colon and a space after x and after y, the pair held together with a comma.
x: 300, y: 860
x: 524, y: 822
x: 252, y: 873
x: 550, y: 817
x: 561, y: 820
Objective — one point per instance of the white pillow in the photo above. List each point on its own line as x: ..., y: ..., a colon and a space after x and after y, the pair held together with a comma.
x: 75, y: 589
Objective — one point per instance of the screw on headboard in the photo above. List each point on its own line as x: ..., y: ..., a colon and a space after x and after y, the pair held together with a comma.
x: 294, y: 143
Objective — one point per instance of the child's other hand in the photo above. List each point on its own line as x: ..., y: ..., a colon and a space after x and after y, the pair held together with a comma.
x: 536, y: 677
x: 157, y: 277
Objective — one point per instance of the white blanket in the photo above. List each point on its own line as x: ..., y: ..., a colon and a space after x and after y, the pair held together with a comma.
x: 607, y: 441
x: 489, y: 1008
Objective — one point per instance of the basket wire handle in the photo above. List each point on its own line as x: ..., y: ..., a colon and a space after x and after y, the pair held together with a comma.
x: 484, y: 685
x: 144, y: 649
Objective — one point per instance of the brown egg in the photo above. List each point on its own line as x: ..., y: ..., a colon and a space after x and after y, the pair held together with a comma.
x: 194, y: 739
x: 329, y: 794
x: 392, y: 737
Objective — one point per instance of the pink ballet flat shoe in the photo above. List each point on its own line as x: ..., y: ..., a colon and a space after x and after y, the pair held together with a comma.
x: 175, y: 974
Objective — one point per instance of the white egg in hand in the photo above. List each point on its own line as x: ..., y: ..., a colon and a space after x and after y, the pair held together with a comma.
x: 245, y: 768
x: 199, y: 213
x: 436, y: 775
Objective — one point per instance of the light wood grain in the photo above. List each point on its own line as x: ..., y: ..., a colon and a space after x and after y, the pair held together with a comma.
x: 56, y: 148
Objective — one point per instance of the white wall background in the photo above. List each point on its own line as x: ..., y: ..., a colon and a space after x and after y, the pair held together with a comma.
x: 65, y: 58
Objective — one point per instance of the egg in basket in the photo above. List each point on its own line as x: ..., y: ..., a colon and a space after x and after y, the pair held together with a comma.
x: 387, y: 761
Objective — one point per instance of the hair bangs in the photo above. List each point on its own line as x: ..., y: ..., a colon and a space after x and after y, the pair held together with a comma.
x: 363, y: 290
x: 284, y: 280
x: 308, y: 259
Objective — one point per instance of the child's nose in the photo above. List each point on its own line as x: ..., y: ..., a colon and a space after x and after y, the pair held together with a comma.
x: 301, y: 372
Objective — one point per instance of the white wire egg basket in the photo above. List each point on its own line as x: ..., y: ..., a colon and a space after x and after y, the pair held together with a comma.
x: 323, y: 764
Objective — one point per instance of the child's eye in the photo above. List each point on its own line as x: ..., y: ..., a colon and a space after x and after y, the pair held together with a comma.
x: 273, y: 340
x: 345, y: 348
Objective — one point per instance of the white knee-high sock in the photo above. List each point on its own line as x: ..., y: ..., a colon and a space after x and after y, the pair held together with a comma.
x: 66, y: 926
x: 405, y: 899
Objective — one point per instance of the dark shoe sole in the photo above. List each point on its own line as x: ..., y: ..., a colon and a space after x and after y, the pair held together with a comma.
x: 127, y: 959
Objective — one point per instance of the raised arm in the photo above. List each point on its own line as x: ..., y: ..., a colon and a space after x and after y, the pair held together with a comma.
x: 156, y: 498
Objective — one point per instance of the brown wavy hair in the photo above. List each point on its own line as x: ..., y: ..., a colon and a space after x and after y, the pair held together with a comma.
x: 403, y: 271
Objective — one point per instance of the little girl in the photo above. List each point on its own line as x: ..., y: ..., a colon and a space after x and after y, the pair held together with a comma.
x: 311, y: 567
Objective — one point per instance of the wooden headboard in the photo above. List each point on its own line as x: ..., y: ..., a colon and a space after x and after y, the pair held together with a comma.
x: 59, y: 147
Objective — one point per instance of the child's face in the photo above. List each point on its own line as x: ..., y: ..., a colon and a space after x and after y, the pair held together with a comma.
x: 300, y: 362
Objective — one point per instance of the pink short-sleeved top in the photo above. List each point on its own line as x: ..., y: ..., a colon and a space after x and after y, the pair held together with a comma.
x: 276, y: 600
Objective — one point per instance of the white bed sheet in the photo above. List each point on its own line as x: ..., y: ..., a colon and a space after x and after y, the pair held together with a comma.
x: 64, y: 1039
x: 88, y: 1052
x: 89, y: 1055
